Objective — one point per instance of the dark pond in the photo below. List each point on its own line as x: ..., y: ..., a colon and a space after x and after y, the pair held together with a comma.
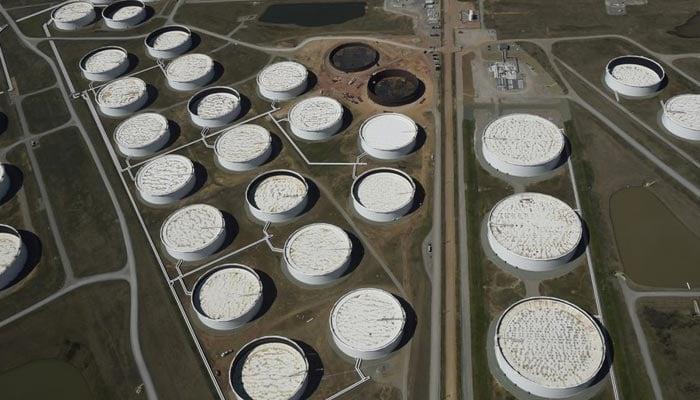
x: 313, y: 14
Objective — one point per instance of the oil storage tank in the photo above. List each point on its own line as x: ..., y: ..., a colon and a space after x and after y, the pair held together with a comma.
x: 318, y: 253
x: 634, y: 76
x: 124, y: 14
x: 388, y: 136
x: 73, y: 15
x: 523, y: 145
x: 142, y: 135
x: 316, y: 118
x: 169, y: 42
x: 269, y: 367
x: 228, y: 296
x: 681, y: 116
x: 243, y: 147
x: 367, y: 323
x: 383, y: 194
x: 104, y: 64
x: 534, y: 231
x: 190, y: 72
x: 283, y: 80
x: 193, y: 232
x: 13, y: 255
x: 214, y: 106
x: 122, y: 97
x: 549, y: 347
x: 277, y: 195
x: 165, y: 179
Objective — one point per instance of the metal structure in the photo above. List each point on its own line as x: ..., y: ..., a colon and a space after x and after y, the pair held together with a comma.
x: 168, y: 42
x: 634, y: 76
x: 316, y: 118
x: 122, y: 97
x: 142, y: 135
x: 190, y: 72
x: 388, y: 136
x: 549, y: 347
x: 104, y: 64
x: 228, y: 296
x: 277, y: 195
x: 193, y: 232
x: 681, y: 116
x: 166, y: 179
x: 383, y: 194
x: 534, y: 231
x: 523, y: 145
x: 214, y: 107
x: 367, y: 323
x: 282, y: 81
x: 243, y: 147
x: 318, y: 254
x: 269, y: 368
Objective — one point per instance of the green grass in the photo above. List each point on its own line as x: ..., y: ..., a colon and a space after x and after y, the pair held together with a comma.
x: 84, y: 212
x: 690, y: 66
x: 28, y: 70
x: 541, y: 57
x: 45, y: 110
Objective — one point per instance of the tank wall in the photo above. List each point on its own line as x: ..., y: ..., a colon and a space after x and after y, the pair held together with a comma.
x: 199, y: 254
x: 126, y: 110
x: 519, y: 170
x: 216, y: 122
x: 225, y: 325
x: 75, y: 25
x: 126, y: 23
x: 114, y: 73
x: 679, y: 130
x: 172, y: 197
x: 146, y: 150
x: 170, y: 53
x: 247, y: 165
x: 5, y: 185
x: 631, y: 91
x: 393, y: 154
x: 366, y: 355
x: 15, y: 267
x: 285, y: 95
x: 318, y: 279
x: 526, y: 263
x: 381, y: 216
x: 279, y: 217
x: 192, y: 85
x: 317, y: 135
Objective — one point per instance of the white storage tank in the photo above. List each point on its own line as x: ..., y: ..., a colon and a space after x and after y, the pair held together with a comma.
x: 73, y: 15
x: 367, y: 323
x: 318, y: 254
x: 316, y: 118
x: 105, y: 63
x: 283, y: 80
x: 523, y: 145
x: 190, y: 72
x: 243, y: 147
x: 166, y: 179
x: 122, y: 97
x: 124, y: 14
x: 269, y: 368
x: 534, y: 231
x: 228, y: 296
x: 193, y: 232
x: 549, y: 347
x: 169, y: 41
x: 388, y: 136
x: 214, y: 107
x: 277, y: 195
x: 13, y: 255
x: 5, y: 183
x: 681, y: 116
x: 383, y: 194
x: 634, y: 76
x: 142, y: 134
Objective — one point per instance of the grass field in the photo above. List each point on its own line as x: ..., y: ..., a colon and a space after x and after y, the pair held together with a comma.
x: 671, y: 328
x: 651, y: 24
x: 45, y: 110
x: 690, y: 66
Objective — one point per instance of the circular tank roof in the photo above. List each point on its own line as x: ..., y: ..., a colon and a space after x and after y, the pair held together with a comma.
x: 103, y: 60
x: 524, y: 139
x: 170, y: 39
x: 73, y: 12
x: 122, y: 92
x: 274, y: 369
x: 367, y: 319
x: 384, y: 190
x: 228, y: 293
x: 635, y: 75
x: 217, y: 104
x: 125, y: 12
x: 282, y: 76
x: 318, y: 249
x: 165, y: 175
x: 535, y: 226
x: 316, y: 113
x: 389, y: 131
x: 189, y: 67
x: 192, y: 228
x: 141, y: 130
x: 10, y: 247
x: 550, y: 342
x: 243, y: 143
x: 684, y: 110
x: 278, y: 193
